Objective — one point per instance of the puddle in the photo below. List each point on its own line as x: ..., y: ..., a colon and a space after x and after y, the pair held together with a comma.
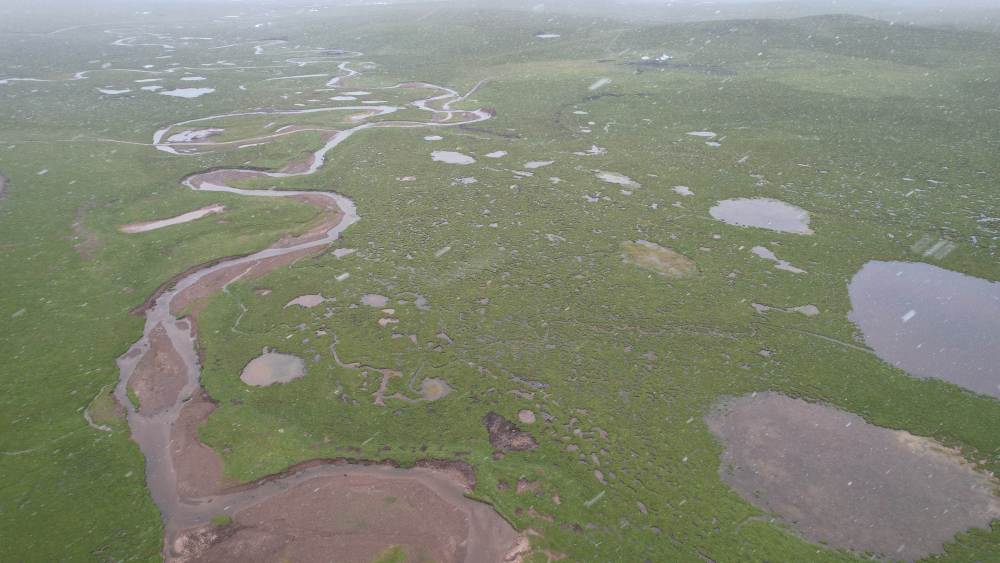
x: 537, y: 164
x: 766, y: 254
x: 807, y: 310
x: 662, y: 260
x: 433, y: 138
x: 432, y: 389
x: 374, y: 300
x: 848, y: 484
x: 615, y: 178
x: 451, y: 157
x: 930, y: 322
x: 187, y: 92
x: 763, y: 213
x: 496, y: 154
x: 111, y: 92
x: 683, y: 190
x: 272, y: 367
x: 183, y: 218
x: 594, y: 150
x: 703, y: 134
x: 306, y: 301
x: 548, y: 36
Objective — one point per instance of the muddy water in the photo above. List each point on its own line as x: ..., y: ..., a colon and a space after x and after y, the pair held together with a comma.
x: 846, y: 483
x: 273, y: 367
x: 931, y: 322
x: 374, y: 300
x: 307, y: 301
x: 764, y: 213
x: 153, y: 431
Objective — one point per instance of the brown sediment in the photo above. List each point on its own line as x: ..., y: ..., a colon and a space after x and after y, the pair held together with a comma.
x: 660, y: 259
x: 159, y: 375
x: 199, y: 467
x: 164, y: 287
x: 356, y: 515
x: 352, y: 508
x: 843, y: 482
x: 196, y: 296
x: 504, y: 435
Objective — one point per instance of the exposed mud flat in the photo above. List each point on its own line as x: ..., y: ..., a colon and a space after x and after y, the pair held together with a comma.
x: 159, y: 375
x: 662, y: 260
x: 763, y: 213
x: 179, y: 219
x: 846, y: 483
x: 356, y: 512
x: 273, y: 367
x: 930, y: 322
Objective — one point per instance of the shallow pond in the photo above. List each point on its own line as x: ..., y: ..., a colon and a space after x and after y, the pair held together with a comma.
x: 187, y: 92
x: 451, y: 157
x: 930, y: 322
x: 763, y: 213
x: 374, y: 300
x: 841, y: 481
x: 273, y: 367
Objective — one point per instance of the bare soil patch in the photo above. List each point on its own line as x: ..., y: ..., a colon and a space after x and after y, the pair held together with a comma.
x: 504, y: 435
x: 354, y: 516
x: 662, y: 260
x: 841, y: 481
x: 159, y: 376
x: 199, y: 467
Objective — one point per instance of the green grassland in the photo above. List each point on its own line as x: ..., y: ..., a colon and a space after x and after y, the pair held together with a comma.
x: 831, y: 114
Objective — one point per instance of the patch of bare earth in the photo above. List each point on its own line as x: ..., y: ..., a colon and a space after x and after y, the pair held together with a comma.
x: 159, y: 376
x: 843, y: 482
x: 504, y: 435
x: 662, y: 260
x: 356, y: 513
x: 198, y: 467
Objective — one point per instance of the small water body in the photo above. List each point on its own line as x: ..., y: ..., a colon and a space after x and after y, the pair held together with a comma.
x: 374, y: 300
x: 187, y: 92
x: 763, y: 213
x: 273, y: 367
x: 930, y: 322
x: 452, y: 157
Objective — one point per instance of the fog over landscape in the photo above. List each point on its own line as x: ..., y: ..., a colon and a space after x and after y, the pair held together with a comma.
x: 511, y: 281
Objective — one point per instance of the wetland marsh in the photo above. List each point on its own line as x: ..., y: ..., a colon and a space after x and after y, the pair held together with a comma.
x: 312, y: 280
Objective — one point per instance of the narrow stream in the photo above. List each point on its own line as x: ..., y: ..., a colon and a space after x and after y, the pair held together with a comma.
x: 153, y: 431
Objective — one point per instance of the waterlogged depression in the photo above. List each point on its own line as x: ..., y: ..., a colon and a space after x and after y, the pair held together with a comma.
x: 763, y: 213
x: 931, y: 322
x: 843, y: 482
